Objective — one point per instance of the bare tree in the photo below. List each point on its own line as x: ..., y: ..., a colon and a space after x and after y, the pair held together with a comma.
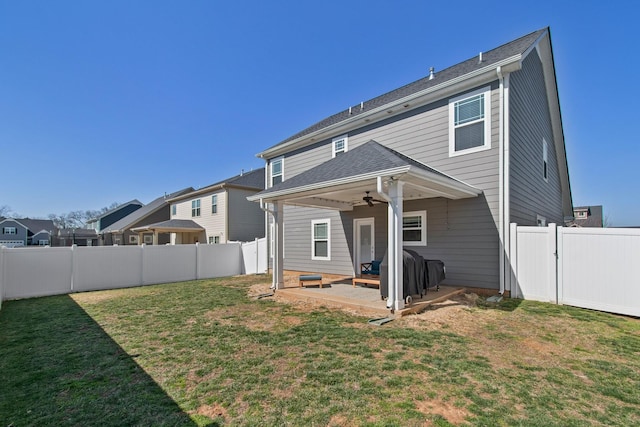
x: 78, y: 219
x: 5, y: 211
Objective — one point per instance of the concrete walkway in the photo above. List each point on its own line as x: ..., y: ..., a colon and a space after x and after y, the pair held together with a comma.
x: 363, y: 299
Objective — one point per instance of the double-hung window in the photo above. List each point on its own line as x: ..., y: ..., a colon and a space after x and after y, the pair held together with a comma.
x: 195, y: 208
x: 277, y: 171
x: 414, y: 228
x: 339, y: 145
x: 320, y: 240
x: 470, y: 122
x: 174, y: 210
x: 10, y: 230
x: 214, y: 204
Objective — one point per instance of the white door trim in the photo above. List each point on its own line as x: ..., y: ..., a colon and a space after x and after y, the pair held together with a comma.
x: 357, y: 222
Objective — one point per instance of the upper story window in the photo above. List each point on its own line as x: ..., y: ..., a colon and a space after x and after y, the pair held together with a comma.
x: 470, y: 122
x: 339, y: 145
x: 174, y: 210
x: 214, y: 204
x: 277, y: 169
x: 195, y: 208
x: 9, y: 230
x: 320, y: 232
x: 414, y: 228
x: 580, y: 214
x: 545, y: 161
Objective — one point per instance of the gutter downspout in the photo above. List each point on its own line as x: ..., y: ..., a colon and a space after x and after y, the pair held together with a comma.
x: 501, y: 191
x: 505, y: 198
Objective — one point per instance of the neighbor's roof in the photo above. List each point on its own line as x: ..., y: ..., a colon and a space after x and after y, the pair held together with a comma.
x: 253, y: 179
x: 594, y: 216
x: 494, y: 56
x: 110, y: 211
x: 37, y: 225
x: 139, y: 214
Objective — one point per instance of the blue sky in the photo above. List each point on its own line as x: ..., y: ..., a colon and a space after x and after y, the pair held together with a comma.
x: 120, y: 100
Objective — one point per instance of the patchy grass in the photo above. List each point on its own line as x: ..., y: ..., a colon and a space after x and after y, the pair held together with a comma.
x: 205, y: 353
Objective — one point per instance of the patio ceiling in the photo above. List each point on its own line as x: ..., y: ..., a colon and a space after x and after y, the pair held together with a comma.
x: 342, y: 182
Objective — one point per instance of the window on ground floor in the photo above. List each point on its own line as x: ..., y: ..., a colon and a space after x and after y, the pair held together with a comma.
x: 414, y: 228
x: 320, y: 239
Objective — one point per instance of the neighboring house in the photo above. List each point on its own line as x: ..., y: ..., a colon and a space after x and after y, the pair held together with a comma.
x: 13, y: 233
x: 106, y: 219
x: 119, y: 233
x: 588, y: 216
x: 442, y: 166
x: 77, y: 236
x: 218, y: 213
x: 26, y: 232
x: 40, y: 231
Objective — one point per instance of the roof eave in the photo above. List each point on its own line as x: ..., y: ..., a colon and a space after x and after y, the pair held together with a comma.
x: 324, y: 185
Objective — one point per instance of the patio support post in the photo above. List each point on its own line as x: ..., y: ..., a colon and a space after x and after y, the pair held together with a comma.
x: 278, y: 243
x: 394, y: 249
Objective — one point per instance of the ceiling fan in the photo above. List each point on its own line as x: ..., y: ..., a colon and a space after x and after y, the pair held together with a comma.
x: 370, y: 200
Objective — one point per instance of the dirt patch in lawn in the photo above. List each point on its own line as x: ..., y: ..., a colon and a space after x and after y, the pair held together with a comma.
x: 446, y: 410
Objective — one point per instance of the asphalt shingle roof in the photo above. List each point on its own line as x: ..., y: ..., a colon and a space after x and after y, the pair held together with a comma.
x: 515, y: 47
x: 145, y: 210
x: 251, y: 179
x: 368, y: 158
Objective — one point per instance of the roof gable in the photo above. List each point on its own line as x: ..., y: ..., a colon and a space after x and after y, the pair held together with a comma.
x: 146, y: 210
x: 490, y: 59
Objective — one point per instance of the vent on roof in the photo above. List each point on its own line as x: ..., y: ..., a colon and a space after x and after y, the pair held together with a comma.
x: 431, y: 74
x: 480, y: 58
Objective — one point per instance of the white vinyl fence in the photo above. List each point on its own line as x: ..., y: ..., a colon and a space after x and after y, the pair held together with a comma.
x: 595, y: 268
x: 32, y: 272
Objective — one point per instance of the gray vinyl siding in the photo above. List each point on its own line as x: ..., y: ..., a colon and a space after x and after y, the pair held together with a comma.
x: 529, y: 123
x: 245, y: 218
x: 21, y: 232
x: 464, y: 232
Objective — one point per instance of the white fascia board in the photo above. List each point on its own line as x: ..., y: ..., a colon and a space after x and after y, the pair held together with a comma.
x: 324, y: 185
x: 432, y: 94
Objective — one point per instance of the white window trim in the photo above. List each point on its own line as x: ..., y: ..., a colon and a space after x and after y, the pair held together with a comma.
x: 10, y: 230
x: 487, y: 122
x: 195, y: 208
x: 214, y: 204
x: 133, y: 239
x: 174, y: 210
x: 313, y: 239
x: 423, y: 231
x: 545, y: 160
x: 148, y: 239
x: 344, y: 138
x: 281, y: 159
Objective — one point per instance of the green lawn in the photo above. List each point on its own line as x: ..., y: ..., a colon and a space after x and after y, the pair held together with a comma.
x: 205, y: 353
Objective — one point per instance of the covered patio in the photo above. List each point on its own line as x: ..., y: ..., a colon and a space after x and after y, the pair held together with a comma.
x: 339, y: 292
x: 340, y: 184
x: 185, y: 231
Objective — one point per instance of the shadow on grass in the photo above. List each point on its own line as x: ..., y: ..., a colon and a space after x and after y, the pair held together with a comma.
x: 58, y: 367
